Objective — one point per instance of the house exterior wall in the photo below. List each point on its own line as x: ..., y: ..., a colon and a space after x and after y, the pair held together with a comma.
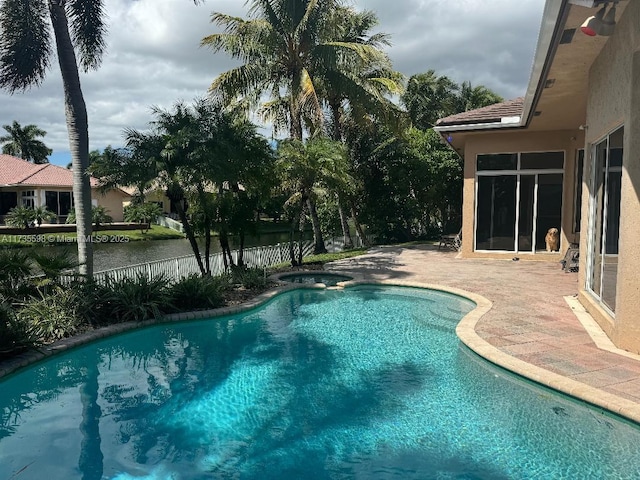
x: 614, y: 101
x: 112, y: 201
x: 502, y: 141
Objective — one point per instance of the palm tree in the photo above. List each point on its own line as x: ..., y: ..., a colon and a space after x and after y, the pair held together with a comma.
x: 307, y: 169
x: 429, y: 97
x: 22, y: 142
x: 289, y: 49
x: 470, y: 98
x: 284, y: 47
x: 25, y: 54
x: 358, y: 90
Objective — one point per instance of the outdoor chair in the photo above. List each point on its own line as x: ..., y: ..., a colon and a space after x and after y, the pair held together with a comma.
x: 451, y: 240
x: 571, y: 260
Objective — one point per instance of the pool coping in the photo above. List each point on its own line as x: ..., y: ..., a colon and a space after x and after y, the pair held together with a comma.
x: 465, y: 330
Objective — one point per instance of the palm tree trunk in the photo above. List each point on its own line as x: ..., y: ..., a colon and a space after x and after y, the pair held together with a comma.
x: 207, y: 250
x: 336, y: 131
x: 241, y: 249
x: 318, y: 241
x: 175, y: 194
x: 336, y: 113
x: 295, y: 221
x: 346, y: 234
x: 300, y: 234
x: 361, y: 234
x: 78, y: 128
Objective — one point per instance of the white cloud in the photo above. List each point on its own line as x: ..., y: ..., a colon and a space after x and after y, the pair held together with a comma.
x: 153, y: 57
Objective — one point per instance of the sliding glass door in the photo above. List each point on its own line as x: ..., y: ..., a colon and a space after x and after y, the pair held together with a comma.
x: 518, y: 199
x: 604, y: 218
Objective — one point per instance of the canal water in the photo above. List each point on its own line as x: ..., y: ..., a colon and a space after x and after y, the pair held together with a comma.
x: 114, y: 255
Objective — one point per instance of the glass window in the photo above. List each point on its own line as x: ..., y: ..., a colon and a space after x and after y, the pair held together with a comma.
x: 515, y: 211
x: 8, y: 200
x: 542, y: 161
x: 496, y: 213
x: 498, y: 161
x: 51, y: 201
x: 28, y: 198
x: 526, y: 217
x: 66, y: 203
x: 604, y: 220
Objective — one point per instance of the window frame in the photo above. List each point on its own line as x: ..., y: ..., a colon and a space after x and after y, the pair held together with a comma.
x: 518, y: 172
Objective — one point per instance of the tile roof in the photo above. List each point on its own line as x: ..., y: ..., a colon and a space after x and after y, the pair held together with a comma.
x: 490, y: 114
x: 15, y: 171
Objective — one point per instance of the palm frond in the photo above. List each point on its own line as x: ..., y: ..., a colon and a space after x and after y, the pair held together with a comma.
x: 88, y: 31
x: 241, y: 81
x: 275, y: 112
x: 25, y: 43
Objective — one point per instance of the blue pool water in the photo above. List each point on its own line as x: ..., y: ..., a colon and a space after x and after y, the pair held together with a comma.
x: 366, y: 383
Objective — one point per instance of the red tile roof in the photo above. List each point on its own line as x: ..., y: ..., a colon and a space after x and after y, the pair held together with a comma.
x: 15, y: 171
x: 490, y: 114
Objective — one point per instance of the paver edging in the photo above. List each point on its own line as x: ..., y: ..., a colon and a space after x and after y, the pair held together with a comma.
x: 466, y: 331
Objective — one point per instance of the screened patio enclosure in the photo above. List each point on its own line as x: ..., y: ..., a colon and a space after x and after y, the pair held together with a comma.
x: 518, y: 199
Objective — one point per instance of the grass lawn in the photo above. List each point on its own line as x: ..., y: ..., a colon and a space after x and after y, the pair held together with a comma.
x: 156, y: 232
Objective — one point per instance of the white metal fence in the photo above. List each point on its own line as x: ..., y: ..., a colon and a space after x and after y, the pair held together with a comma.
x: 170, y: 223
x: 180, y: 267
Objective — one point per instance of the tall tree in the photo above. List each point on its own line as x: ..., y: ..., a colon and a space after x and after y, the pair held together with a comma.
x: 22, y: 142
x: 285, y: 46
x: 469, y: 97
x: 196, y: 153
x: 305, y: 168
x: 359, y: 90
x: 25, y: 54
x: 78, y: 28
x: 429, y: 97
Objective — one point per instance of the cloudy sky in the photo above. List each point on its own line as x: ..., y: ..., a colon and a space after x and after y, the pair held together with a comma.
x: 153, y: 58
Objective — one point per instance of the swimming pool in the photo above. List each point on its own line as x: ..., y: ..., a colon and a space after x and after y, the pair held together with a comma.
x: 369, y: 382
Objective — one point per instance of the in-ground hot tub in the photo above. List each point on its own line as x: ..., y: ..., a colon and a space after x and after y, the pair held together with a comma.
x: 328, y: 279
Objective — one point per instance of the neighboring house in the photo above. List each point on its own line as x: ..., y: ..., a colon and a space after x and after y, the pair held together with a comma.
x: 567, y: 156
x: 155, y: 194
x: 28, y: 184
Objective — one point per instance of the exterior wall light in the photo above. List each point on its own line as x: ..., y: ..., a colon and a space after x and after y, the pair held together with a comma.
x: 602, y: 23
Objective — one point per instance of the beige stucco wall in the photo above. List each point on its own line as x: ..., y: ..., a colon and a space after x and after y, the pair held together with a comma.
x: 504, y: 141
x: 614, y: 100
x: 112, y: 201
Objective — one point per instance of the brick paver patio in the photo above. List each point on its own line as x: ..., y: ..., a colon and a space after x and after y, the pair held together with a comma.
x: 530, y: 320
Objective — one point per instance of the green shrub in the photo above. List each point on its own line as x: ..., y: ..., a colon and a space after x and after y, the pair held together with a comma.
x: 53, y: 265
x: 142, y: 213
x: 250, y: 278
x: 198, y: 293
x: 15, y: 273
x: 41, y: 215
x: 135, y: 299
x: 14, y: 334
x: 51, y: 317
x: 20, y: 217
x: 93, y: 303
x: 99, y: 216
